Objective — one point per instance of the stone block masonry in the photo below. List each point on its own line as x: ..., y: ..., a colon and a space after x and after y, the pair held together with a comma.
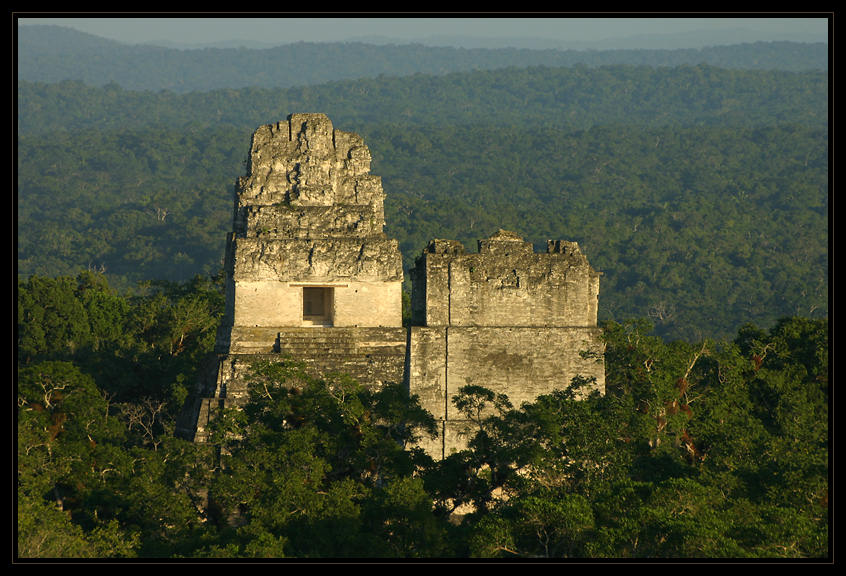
x: 375, y: 356
x: 312, y: 276
x: 506, y: 318
x: 310, y: 273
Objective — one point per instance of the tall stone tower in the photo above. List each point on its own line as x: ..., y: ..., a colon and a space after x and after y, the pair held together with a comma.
x: 309, y: 270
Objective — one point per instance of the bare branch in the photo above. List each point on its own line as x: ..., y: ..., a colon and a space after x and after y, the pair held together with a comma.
x: 695, y: 358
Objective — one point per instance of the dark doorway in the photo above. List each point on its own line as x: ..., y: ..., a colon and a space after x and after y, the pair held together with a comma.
x: 317, y: 306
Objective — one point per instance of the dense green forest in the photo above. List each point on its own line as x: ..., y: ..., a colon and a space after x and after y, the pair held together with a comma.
x: 701, y: 194
x: 696, y: 182
x: 52, y: 54
x: 713, y: 449
x: 575, y: 98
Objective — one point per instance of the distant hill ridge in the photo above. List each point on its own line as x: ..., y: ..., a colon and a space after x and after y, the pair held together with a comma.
x: 54, y: 53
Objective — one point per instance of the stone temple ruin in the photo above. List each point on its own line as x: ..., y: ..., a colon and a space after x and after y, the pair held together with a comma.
x: 311, y: 274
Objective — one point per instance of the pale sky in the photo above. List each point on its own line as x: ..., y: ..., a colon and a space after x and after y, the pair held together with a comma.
x: 283, y: 28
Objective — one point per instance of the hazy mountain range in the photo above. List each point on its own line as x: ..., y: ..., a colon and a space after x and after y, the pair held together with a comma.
x: 54, y: 53
x: 667, y: 41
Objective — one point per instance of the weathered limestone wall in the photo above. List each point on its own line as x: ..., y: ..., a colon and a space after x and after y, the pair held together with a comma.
x: 264, y: 303
x: 304, y: 161
x: 427, y: 370
x: 309, y: 214
x: 505, y: 284
x: 513, y: 321
x: 308, y: 219
x: 520, y: 362
x: 373, y: 258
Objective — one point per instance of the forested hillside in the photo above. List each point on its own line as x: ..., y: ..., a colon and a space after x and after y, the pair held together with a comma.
x: 567, y: 98
x: 53, y: 54
x: 701, y: 194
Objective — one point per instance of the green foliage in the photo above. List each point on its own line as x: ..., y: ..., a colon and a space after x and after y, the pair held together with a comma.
x: 317, y: 467
x: 51, y: 317
x: 474, y: 401
x: 700, y: 193
x: 122, y: 203
x: 64, y: 438
x: 146, y: 345
x: 718, y: 450
x: 693, y: 227
x: 45, y: 531
x: 711, y: 450
x: 96, y: 451
x: 576, y: 97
